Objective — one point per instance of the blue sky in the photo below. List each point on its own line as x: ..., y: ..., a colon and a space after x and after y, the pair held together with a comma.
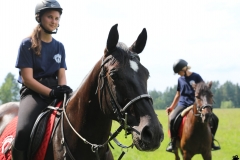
x: 205, y: 33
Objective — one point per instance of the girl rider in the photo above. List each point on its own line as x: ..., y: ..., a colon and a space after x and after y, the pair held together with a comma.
x: 184, y: 98
x: 41, y: 63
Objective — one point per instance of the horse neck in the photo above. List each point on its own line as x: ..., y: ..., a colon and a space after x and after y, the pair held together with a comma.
x: 84, y: 109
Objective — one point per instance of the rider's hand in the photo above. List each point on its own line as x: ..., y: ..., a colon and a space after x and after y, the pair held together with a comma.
x: 60, y: 91
x: 169, y: 110
x: 66, y: 89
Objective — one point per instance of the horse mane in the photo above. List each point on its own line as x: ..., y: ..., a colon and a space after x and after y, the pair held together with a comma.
x: 202, y: 88
x: 124, y: 48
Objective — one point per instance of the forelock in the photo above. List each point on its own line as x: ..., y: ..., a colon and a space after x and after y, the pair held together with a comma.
x: 123, y: 46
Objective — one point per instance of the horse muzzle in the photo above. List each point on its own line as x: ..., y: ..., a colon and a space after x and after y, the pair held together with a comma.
x: 206, y: 117
x: 147, y: 137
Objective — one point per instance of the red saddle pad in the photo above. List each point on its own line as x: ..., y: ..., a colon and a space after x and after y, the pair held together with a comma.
x: 9, y: 134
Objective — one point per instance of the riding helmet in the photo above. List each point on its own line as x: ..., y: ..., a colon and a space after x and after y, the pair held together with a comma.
x: 44, y: 5
x: 178, y: 65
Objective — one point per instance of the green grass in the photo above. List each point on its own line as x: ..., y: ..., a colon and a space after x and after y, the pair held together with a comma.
x: 228, y: 135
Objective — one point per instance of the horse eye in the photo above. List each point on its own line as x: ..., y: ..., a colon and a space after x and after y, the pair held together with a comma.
x: 113, y: 75
x: 197, y: 97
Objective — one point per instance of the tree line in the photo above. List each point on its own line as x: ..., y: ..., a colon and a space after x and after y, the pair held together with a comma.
x: 9, y: 90
x: 225, y: 96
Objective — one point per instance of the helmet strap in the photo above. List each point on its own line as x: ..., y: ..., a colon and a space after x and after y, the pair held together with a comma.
x: 47, y: 31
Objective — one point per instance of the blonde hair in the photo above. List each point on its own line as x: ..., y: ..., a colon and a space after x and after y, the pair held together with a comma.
x: 36, y: 40
x: 186, y: 68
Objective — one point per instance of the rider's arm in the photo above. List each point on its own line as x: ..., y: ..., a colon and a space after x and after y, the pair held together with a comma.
x: 30, y: 82
x: 174, y: 103
x: 62, y: 77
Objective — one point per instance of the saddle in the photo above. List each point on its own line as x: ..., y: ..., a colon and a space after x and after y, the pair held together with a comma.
x: 43, y: 129
x: 179, y: 121
x: 41, y: 134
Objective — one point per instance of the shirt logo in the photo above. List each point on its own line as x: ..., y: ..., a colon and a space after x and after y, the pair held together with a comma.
x: 57, y: 58
x: 192, y: 82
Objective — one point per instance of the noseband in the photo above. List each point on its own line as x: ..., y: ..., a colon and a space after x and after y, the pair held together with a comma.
x: 201, y: 108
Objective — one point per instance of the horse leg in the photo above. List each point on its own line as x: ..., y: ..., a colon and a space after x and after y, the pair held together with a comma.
x: 176, y: 154
x: 207, y: 155
x: 187, y: 156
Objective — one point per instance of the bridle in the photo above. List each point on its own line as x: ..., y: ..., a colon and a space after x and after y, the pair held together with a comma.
x: 120, y: 113
x: 201, y: 108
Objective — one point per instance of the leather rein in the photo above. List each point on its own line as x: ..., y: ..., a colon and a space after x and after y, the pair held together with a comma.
x: 120, y: 113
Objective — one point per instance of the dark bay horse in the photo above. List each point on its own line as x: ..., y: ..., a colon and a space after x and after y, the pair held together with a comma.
x: 196, y: 133
x: 115, y: 89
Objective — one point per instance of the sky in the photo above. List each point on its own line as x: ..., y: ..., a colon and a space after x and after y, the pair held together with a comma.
x: 205, y: 33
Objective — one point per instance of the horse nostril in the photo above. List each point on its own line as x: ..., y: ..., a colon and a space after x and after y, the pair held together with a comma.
x: 146, y: 135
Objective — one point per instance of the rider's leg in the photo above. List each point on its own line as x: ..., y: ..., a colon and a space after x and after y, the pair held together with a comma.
x: 172, y: 145
x: 214, y: 126
x: 30, y: 107
x: 18, y: 155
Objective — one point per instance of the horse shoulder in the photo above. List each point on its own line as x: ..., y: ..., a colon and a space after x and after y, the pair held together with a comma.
x: 187, y: 127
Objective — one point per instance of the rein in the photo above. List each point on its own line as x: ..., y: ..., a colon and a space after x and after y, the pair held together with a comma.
x: 120, y: 113
x: 94, y: 147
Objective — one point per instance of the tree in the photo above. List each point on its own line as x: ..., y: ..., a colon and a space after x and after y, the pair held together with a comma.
x: 227, y: 104
x: 155, y: 94
x: 236, y: 97
x: 227, y: 91
x: 9, y: 91
x: 224, y: 96
x: 169, y: 95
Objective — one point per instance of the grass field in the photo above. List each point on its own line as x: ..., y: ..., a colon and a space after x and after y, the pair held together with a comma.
x: 228, y: 135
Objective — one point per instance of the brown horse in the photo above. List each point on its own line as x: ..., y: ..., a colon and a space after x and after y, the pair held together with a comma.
x: 196, y: 133
x: 115, y: 89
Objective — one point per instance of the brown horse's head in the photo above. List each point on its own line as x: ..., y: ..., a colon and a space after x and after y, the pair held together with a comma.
x: 122, y: 91
x: 204, y: 100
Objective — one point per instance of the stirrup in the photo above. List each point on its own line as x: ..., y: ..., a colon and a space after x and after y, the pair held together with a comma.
x: 215, y: 148
x: 171, y: 146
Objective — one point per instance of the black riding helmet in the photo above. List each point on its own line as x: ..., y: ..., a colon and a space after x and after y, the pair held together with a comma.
x: 43, y: 6
x: 178, y: 65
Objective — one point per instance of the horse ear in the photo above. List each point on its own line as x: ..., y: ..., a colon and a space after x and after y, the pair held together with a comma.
x: 209, y: 84
x: 112, y: 38
x: 140, y: 43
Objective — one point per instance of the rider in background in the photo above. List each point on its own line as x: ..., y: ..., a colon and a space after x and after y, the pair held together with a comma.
x: 41, y: 63
x: 184, y: 98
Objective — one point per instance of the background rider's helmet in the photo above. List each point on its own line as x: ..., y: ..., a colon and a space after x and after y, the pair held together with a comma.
x: 44, y: 5
x: 179, y: 65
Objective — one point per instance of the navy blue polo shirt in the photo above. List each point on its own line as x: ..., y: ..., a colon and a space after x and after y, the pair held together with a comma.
x: 52, y: 58
x: 187, y: 93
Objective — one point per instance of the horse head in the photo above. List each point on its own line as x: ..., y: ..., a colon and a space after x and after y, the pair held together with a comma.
x: 122, y: 91
x: 204, y: 100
